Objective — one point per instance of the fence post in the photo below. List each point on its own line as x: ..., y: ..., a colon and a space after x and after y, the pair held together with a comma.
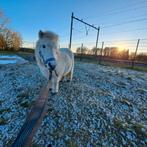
x: 100, y: 58
x: 133, y: 60
x: 97, y: 38
x: 81, y: 52
x: 71, y: 28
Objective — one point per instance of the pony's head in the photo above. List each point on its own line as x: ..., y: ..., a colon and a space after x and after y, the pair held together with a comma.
x: 47, y: 48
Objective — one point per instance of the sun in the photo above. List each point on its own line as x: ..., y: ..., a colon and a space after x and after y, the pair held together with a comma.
x: 121, y: 47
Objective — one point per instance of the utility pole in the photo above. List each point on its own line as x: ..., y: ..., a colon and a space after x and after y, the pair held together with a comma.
x: 81, y: 52
x: 100, y: 59
x: 71, y: 28
x: 97, y: 38
x: 81, y: 20
x: 133, y: 60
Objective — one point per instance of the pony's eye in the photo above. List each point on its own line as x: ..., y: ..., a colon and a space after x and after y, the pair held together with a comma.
x: 43, y: 46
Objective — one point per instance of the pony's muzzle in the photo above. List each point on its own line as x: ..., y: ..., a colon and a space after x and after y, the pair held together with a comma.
x: 51, y: 63
x: 51, y: 66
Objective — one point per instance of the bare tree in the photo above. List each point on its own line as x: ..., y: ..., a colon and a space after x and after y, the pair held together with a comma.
x: 10, y: 40
x: 107, y: 51
x: 123, y: 54
x: 3, y: 30
x: 96, y: 51
x: 142, y: 57
x: 3, y: 20
x: 2, y: 42
x: 82, y: 50
x: 16, y: 41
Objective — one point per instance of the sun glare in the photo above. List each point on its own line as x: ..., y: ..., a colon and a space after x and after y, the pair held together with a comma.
x: 121, y: 47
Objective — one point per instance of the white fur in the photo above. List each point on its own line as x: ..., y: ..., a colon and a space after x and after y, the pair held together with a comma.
x: 64, y: 58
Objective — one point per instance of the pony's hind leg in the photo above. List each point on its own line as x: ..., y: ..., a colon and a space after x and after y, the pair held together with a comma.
x: 68, y: 77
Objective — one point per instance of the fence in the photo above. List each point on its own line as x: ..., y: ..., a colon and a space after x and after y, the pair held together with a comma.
x: 133, y: 54
x: 129, y: 53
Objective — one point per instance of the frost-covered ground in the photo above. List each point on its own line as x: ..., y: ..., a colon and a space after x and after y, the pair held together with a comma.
x: 11, y: 59
x: 102, y: 106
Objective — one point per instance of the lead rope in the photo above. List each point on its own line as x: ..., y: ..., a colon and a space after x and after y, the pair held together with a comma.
x: 50, y: 75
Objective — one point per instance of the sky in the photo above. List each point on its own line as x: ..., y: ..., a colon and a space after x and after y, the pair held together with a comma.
x: 121, y: 22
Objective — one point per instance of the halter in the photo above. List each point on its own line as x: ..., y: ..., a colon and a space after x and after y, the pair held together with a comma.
x: 51, y: 68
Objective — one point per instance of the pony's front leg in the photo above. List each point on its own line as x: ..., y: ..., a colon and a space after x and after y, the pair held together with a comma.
x: 50, y: 85
x: 55, y: 85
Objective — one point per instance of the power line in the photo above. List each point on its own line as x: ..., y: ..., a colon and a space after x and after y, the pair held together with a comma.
x: 126, y: 22
x: 125, y: 40
x: 131, y: 4
x: 131, y: 30
x: 122, y: 9
x: 126, y: 18
x: 128, y: 6
x: 117, y: 32
x: 125, y: 10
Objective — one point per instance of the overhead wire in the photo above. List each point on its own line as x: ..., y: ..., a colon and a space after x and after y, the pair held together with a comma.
x: 121, y: 10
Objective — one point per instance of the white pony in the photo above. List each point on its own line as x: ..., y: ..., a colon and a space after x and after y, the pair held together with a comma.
x: 54, y: 63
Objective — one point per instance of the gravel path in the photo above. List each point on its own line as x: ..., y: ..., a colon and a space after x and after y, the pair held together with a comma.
x: 102, y: 106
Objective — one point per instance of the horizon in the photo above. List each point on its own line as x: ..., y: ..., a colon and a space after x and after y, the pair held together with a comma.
x: 121, y: 22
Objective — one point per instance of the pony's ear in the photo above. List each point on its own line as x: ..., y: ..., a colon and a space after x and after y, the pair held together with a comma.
x: 40, y: 34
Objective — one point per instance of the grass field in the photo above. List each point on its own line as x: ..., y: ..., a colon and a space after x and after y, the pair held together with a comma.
x: 106, y: 63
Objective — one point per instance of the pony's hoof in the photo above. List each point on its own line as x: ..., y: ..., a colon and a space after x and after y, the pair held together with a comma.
x: 53, y: 93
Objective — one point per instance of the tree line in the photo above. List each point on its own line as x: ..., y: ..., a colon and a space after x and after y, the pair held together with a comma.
x: 111, y: 52
x: 9, y: 39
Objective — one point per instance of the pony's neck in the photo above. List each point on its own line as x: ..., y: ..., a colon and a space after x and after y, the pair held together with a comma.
x: 58, y: 56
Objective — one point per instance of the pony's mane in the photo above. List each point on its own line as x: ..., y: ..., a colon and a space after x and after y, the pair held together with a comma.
x: 49, y: 35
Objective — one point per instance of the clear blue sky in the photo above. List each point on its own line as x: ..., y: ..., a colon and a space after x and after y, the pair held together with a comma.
x: 29, y: 16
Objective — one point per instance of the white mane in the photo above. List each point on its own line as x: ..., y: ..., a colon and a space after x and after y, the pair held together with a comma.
x: 49, y: 35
